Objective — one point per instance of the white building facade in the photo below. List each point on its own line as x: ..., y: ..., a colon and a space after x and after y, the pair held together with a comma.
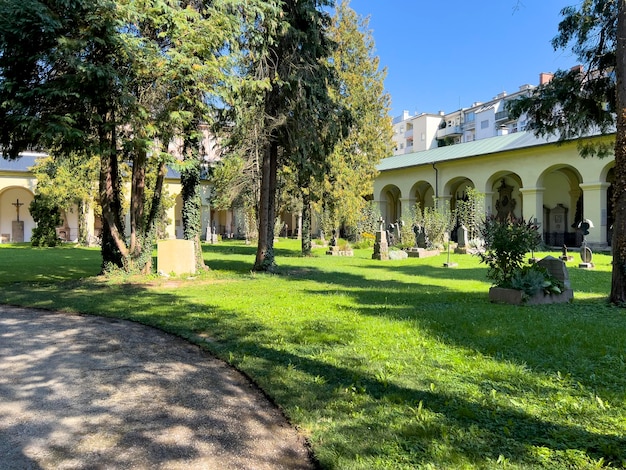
x: 481, y: 120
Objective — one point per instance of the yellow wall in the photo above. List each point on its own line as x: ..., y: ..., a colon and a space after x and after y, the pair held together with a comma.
x: 544, y: 175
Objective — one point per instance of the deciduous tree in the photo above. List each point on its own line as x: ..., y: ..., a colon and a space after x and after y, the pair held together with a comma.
x: 69, y: 182
x: 582, y: 102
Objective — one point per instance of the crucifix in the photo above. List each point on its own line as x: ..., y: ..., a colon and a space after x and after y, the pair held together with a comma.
x: 17, y: 205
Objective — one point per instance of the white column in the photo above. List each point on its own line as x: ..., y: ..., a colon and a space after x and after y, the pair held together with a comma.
x: 405, y: 208
x: 532, y: 204
x: 594, y: 209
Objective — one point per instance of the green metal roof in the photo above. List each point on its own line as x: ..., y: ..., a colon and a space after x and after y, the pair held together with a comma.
x: 517, y: 140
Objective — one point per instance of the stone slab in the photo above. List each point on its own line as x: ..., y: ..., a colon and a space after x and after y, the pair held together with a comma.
x: 17, y: 231
x: 176, y: 257
x: 515, y: 297
x: 422, y: 253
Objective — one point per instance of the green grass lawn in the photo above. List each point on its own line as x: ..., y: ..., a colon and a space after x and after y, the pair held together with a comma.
x: 382, y: 365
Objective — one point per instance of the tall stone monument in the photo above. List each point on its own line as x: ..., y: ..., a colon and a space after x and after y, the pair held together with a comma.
x: 381, y: 248
x: 17, y: 226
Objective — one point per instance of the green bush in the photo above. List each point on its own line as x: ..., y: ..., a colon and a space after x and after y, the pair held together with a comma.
x: 532, y: 279
x: 47, y: 216
x: 506, y: 244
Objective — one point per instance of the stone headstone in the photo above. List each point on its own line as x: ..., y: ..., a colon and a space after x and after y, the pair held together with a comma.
x: 421, y: 240
x: 462, y: 236
x: 564, y: 255
x: 381, y: 248
x: 333, y: 240
x: 416, y: 231
x: 556, y: 268
x: 586, y: 255
x: 17, y: 231
x: 176, y: 256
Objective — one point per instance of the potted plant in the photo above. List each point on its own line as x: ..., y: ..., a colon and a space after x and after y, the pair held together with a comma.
x: 506, y: 243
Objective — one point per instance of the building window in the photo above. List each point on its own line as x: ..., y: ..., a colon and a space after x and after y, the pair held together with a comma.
x: 484, y: 124
x: 469, y: 117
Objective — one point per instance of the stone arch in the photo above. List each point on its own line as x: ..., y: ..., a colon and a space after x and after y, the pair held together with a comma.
x: 503, y: 195
x: 10, y: 196
x: 456, y: 189
x: 390, y: 204
x: 562, y: 204
x: 422, y: 193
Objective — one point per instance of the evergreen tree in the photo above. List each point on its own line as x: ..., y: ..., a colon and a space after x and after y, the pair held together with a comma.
x: 317, y: 120
x: 352, y: 163
x: 112, y: 79
x: 284, y: 49
x: 584, y: 101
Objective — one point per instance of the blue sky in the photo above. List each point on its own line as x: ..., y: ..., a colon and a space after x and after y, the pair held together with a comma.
x: 446, y: 54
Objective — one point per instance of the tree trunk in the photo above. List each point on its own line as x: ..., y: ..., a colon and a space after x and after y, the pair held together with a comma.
x: 149, y: 236
x: 267, y: 210
x: 618, y: 287
x: 82, y: 222
x: 114, y: 250
x: 192, y: 206
x: 306, y: 222
x: 137, y: 202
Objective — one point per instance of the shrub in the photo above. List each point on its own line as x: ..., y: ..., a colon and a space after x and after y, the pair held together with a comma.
x: 506, y: 244
x: 532, y: 279
x: 47, y: 216
x: 367, y: 241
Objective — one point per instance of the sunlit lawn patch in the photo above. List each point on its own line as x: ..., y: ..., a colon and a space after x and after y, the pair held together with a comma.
x: 394, y: 364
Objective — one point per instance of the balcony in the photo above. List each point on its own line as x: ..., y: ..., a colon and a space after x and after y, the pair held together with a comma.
x: 469, y: 125
x: 502, y: 116
x: 449, y: 131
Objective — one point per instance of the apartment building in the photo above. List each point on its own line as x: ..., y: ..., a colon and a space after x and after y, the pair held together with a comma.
x: 481, y: 120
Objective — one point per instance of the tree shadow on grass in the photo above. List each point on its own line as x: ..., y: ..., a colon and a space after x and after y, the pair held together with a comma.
x: 560, y: 338
x: 478, y: 430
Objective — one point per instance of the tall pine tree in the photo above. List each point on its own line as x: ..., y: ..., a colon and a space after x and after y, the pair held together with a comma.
x: 352, y: 163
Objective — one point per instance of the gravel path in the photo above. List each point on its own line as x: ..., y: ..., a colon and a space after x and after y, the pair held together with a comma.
x: 80, y: 392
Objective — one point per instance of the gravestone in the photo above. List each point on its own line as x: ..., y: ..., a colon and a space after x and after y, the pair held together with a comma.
x: 17, y: 226
x: 176, y: 256
x: 17, y: 231
x: 564, y: 255
x: 586, y: 255
x: 421, y: 240
x: 381, y: 248
x: 461, y: 247
x: 462, y: 236
x: 556, y: 268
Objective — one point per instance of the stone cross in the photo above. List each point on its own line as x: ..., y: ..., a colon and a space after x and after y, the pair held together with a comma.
x: 17, y: 205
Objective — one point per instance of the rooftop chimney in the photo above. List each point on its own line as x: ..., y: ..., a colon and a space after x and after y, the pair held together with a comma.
x: 545, y: 77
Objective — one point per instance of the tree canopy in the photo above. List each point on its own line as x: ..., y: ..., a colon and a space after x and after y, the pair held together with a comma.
x: 589, y: 100
x: 360, y: 91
